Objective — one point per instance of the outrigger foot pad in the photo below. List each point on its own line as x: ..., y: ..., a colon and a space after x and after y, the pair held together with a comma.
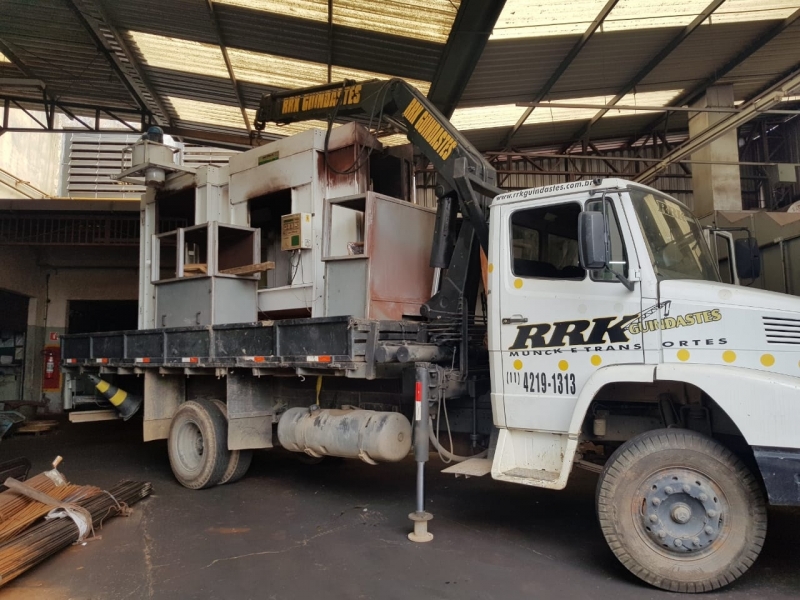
x: 420, y: 533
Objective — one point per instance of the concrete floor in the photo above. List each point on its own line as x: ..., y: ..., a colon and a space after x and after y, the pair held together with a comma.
x: 338, y: 530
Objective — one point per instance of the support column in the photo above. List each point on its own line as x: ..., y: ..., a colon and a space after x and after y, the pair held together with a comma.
x: 716, y: 187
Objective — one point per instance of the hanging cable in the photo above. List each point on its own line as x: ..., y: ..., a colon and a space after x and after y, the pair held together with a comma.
x: 361, y: 158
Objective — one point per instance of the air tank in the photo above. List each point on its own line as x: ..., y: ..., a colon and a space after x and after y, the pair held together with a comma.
x: 369, y: 435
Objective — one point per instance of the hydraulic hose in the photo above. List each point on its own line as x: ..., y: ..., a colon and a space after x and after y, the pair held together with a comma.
x: 446, y: 453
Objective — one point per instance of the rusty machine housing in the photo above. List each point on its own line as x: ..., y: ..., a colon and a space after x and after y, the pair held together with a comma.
x: 298, y: 279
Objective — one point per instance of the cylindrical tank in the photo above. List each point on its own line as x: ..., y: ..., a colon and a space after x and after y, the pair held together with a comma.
x: 369, y: 435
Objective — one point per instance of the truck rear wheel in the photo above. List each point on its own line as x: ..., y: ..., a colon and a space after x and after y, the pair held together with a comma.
x: 680, y: 511
x: 197, y: 444
x: 240, y: 460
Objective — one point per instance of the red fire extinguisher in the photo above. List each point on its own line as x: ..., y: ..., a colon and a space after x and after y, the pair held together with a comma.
x: 52, y: 369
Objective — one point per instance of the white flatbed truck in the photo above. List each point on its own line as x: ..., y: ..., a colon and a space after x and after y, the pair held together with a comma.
x: 610, y: 344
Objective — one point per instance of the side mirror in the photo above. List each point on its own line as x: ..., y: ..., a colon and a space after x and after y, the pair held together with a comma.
x: 592, y: 246
x: 748, y: 258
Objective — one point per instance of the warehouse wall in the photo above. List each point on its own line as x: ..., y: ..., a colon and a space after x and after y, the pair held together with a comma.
x: 520, y: 174
x: 32, y: 157
x: 783, y: 147
x: 51, y: 277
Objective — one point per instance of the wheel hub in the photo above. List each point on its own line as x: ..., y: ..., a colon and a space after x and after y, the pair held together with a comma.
x: 681, y: 512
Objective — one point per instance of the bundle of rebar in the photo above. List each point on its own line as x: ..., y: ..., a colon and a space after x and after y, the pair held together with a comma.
x: 45, y: 538
x: 30, y: 511
x: 11, y: 502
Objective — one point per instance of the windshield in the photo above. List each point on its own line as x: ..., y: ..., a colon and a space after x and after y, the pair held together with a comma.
x: 674, y: 239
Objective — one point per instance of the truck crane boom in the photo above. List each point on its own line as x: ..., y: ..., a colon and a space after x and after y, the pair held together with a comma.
x: 467, y: 177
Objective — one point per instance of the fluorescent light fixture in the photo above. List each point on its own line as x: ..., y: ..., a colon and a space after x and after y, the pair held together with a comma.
x: 506, y: 115
x: 429, y: 20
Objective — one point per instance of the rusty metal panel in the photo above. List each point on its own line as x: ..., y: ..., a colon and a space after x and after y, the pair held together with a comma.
x: 398, y: 243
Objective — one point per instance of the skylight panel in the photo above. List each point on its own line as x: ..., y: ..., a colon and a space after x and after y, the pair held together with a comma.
x: 736, y: 11
x: 488, y: 117
x: 163, y: 52
x: 206, y: 112
x: 537, y: 18
x: 429, y: 20
x: 650, y: 14
x: 222, y: 115
x: 289, y: 73
x: 266, y: 69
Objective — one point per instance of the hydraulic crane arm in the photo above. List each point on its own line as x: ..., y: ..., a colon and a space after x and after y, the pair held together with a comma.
x: 467, y: 176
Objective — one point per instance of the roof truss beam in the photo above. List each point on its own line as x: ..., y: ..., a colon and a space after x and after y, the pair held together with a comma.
x: 471, y: 30
x: 222, y: 46
x: 112, y: 45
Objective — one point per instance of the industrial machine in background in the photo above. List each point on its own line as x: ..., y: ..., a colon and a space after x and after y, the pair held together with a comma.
x: 584, y: 324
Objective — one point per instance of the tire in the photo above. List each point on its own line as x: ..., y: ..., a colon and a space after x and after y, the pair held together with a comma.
x: 240, y: 460
x: 197, y: 444
x: 680, y: 511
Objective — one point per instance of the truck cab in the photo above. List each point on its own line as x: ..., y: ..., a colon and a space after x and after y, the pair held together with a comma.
x: 613, y: 341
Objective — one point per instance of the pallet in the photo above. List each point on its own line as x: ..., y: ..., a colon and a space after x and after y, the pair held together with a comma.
x: 36, y: 427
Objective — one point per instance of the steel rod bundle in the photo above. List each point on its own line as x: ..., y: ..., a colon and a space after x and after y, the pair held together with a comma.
x: 44, y: 539
x: 11, y: 502
x: 31, y: 511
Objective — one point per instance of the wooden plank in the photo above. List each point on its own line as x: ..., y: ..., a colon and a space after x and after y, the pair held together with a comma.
x: 86, y: 416
x: 191, y: 269
x: 250, y: 269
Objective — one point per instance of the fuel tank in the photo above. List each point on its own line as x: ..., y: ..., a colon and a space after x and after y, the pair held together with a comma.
x: 369, y: 435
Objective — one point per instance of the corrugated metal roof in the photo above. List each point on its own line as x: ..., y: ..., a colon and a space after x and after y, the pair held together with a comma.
x: 769, y: 63
x: 513, y: 70
x: 47, y: 37
x: 609, y: 61
x: 280, y: 44
x: 703, y: 52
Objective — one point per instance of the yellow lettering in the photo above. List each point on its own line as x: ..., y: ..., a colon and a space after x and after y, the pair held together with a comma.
x: 412, y: 111
x: 356, y: 96
x: 449, y: 149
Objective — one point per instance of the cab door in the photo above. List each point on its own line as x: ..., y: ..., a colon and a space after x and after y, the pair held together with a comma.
x: 558, y: 322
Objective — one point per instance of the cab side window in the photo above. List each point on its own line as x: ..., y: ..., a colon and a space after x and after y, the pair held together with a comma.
x: 619, y: 257
x: 544, y: 242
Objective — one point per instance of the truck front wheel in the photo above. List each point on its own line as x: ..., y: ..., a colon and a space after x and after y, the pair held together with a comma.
x: 680, y: 511
x: 198, y: 444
